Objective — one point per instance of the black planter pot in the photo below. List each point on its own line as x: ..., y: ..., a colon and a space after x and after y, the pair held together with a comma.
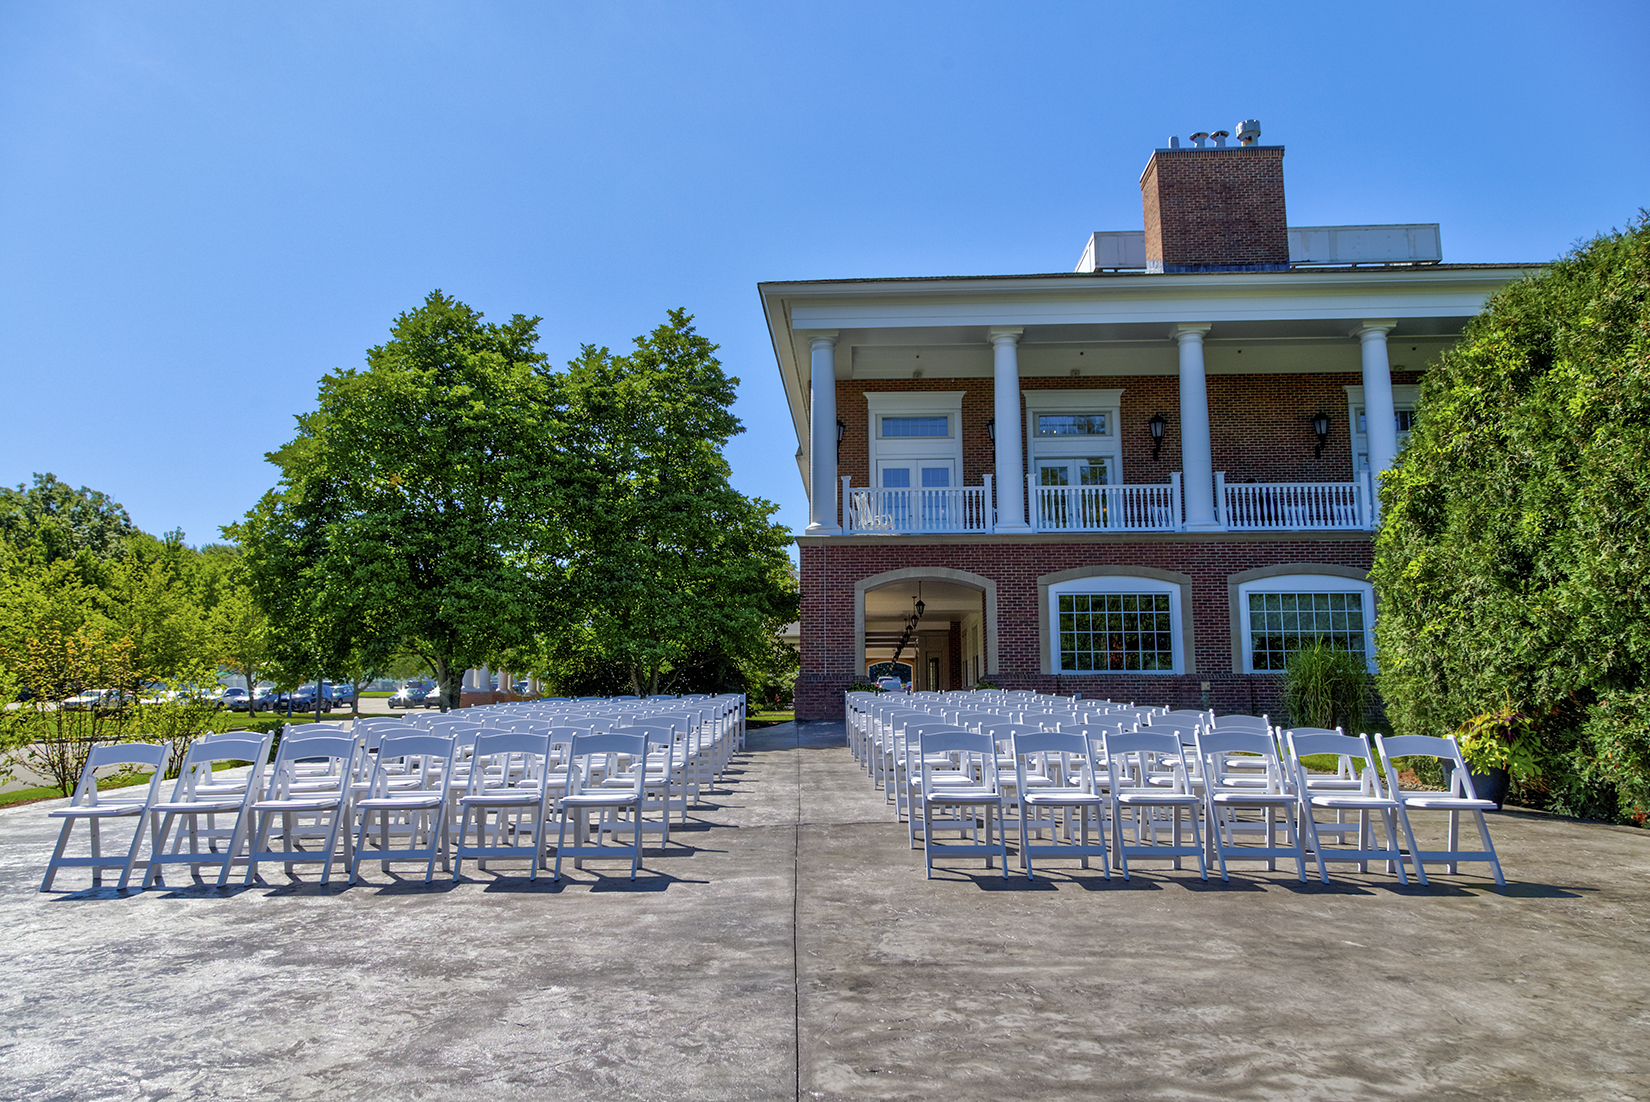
x: 1489, y: 785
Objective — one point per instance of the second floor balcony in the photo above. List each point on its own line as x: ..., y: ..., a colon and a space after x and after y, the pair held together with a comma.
x: 1150, y: 507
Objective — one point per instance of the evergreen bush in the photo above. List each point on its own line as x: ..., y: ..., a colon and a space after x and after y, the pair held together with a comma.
x: 1513, y: 562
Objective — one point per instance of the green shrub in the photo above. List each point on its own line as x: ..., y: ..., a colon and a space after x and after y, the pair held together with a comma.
x: 1326, y: 686
x: 1513, y: 562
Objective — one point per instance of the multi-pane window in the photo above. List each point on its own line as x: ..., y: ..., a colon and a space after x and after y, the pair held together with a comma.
x: 915, y: 426
x: 1071, y: 424
x: 1116, y: 631
x: 1283, y: 622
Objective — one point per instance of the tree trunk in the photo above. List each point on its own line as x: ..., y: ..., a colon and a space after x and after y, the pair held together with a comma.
x: 636, y: 680
x: 444, y: 685
x: 319, y: 685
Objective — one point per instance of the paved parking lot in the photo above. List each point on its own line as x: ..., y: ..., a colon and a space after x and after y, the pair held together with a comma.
x: 791, y: 948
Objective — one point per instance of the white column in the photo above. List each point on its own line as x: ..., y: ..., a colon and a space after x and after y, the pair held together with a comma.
x: 1380, y: 421
x: 1011, y: 478
x: 822, y: 512
x: 471, y: 681
x: 1196, y: 453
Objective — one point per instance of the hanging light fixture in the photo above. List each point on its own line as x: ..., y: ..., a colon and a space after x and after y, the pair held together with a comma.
x: 1157, y: 425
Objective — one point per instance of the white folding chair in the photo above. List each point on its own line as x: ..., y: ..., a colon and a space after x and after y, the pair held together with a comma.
x: 959, y: 773
x: 1331, y: 794
x: 1066, y: 761
x: 591, y: 759
x: 1137, y: 763
x: 407, y: 792
x: 1232, y: 761
x: 202, y: 792
x: 97, y: 807
x: 308, y: 790
x: 509, y: 779
x: 1459, y: 797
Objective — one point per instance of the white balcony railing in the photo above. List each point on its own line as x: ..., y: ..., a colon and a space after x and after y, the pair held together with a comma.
x: 1254, y: 506
x: 933, y: 509
x: 1153, y: 507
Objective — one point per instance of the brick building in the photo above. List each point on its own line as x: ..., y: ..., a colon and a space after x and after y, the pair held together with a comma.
x: 1144, y: 479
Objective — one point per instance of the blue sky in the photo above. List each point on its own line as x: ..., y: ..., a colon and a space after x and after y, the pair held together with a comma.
x: 206, y: 206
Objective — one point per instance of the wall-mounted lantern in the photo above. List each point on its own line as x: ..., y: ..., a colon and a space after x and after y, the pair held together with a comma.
x: 1320, y: 425
x: 1157, y: 424
x: 991, y: 429
x: 841, y: 431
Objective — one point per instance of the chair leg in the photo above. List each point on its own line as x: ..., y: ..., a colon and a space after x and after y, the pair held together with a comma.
x: 1025, y: 847
x: 1415, y: 849
x: 237, y: 839
x: 1489, y: 848
x: 57, y: 855
x: 159, y: 830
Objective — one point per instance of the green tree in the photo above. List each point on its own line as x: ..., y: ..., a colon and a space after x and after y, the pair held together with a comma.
x: 240, y: 637
x: 61, y: 521
x: 1513, y: 564
x: 666, y: 563
x: 414, y: 493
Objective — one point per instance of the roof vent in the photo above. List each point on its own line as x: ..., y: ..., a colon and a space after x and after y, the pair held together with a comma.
x: 1248, y: 132
x: 1220, y: 137
x: 1200, y: 139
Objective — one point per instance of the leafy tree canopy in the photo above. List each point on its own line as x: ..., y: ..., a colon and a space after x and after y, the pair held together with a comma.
x: 667, y: 566
x: 408, y: 509
x: 58, y: 522
x: 1513, y: 565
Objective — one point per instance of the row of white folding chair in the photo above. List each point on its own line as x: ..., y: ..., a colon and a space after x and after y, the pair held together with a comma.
x: 959, y: 772
x: 708, y: 733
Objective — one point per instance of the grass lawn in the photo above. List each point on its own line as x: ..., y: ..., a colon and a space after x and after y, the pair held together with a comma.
x: 381, y: 694
x: 50, y: 792
x: 768, y: 719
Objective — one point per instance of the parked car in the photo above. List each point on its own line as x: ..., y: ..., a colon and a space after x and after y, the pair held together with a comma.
x: 890, y: 684
x: 98, y: 699
x: 266, y: 697
x: 237, y: 700
x: 302, y: 699
x: 340, y: 695
x: 415, y: 694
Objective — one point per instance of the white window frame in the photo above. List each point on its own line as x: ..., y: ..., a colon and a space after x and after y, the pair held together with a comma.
x: 912, y: 450
x: 1304, y: 583
x: 1404, y: 397
x: 1108, y: 584
x: 1107, y: 401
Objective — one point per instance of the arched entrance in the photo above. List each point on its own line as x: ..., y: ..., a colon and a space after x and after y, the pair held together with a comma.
x: 952, y: 644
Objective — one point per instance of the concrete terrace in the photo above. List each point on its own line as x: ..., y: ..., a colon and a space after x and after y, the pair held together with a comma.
x: 795, y: 951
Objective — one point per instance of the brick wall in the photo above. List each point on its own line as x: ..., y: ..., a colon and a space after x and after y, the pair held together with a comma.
x: 1261, y: 425
x: 831, y: 568
x: 1215, y: 208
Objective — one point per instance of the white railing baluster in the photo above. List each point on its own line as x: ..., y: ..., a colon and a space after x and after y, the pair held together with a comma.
x: 1295, y: 505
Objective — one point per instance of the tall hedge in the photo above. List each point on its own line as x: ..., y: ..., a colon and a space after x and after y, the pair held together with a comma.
x: 1513, y: 562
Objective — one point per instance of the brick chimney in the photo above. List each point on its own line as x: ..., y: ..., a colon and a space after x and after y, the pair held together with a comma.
x: 1216, y: 208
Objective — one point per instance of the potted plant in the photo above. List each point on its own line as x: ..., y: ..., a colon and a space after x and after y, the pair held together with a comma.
x: 1499, y: 747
